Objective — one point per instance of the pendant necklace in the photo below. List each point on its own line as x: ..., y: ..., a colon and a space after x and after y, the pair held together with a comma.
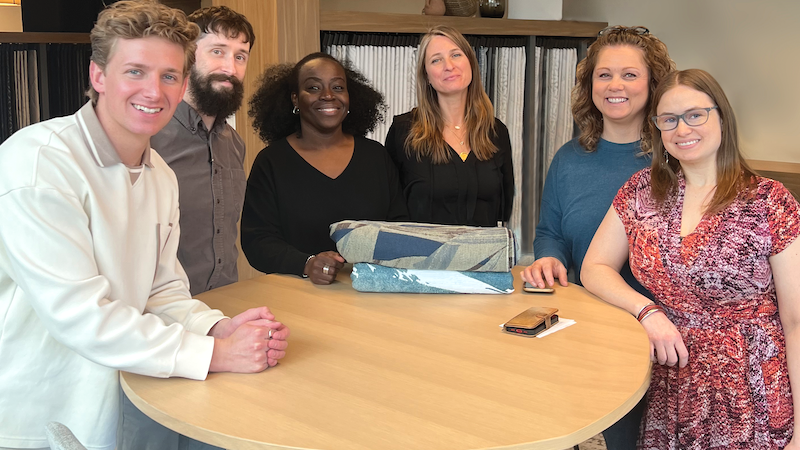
x: 462, y: 154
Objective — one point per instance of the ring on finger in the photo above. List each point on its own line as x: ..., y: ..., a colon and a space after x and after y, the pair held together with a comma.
x: 326, y: 269
x: 270, y: 333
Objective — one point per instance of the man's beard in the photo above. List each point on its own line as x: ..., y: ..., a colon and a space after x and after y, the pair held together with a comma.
x: 218, y: 103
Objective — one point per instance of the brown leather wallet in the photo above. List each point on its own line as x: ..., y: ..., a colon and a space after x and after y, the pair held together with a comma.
x: 532, y: 321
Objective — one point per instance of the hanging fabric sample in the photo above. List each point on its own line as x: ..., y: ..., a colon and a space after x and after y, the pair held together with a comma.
x: 41, y: 81
x: 68, y: 66
x: 549, y: 123
x: 389, y: 63
x: 508, y: 97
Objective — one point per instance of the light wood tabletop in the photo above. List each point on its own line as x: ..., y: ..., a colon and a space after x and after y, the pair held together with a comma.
x: 411, y: 371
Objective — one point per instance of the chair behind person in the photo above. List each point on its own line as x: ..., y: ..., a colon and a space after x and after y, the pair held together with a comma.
x: 61, y: 438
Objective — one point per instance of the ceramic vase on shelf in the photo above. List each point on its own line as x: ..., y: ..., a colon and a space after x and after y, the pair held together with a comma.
x: 463, y: 8
x: 434, y: 8
x: 493, y: 8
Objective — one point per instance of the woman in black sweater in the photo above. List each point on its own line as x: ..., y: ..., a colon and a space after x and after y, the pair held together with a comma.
x: 454, y: 156
x: 318, y: 168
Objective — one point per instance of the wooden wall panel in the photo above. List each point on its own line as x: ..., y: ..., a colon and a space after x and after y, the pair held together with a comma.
x: 286, y: 30
x: 300, y: 23
x: 785, y: 172
x: 790, y: 180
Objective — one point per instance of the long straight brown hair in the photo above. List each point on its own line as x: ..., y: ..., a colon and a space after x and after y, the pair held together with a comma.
x: 733, y: 173
x: 425, y: 137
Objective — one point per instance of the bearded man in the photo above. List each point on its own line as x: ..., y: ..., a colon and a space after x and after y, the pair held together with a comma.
x: 207, y: 156
x: 206, y: 153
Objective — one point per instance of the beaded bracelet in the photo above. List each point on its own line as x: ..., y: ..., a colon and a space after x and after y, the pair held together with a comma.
x: 647, y: 310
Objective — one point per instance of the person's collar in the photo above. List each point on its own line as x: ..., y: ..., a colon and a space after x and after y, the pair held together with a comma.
x: 96, y: 139
x: 188, y: 116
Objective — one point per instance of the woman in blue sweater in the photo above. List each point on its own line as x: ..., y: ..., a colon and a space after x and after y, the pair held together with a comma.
x: 610, y: 101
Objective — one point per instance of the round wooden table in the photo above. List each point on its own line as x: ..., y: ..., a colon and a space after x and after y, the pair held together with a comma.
x: 411, y: 371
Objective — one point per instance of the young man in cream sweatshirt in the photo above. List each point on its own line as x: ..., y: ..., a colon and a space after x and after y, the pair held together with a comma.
x: 90, y: 283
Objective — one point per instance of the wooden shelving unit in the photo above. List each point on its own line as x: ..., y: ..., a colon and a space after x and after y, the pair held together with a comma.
x: 386, y: 23
x: 44, y: 38
x: 420, y: 23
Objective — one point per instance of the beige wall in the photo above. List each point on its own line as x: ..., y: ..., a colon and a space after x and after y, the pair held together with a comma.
x: 538, y: 10
x: 10, y: 18
x: 748, y: 46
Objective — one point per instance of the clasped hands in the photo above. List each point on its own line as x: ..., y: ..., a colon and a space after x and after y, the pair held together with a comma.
x: 249, y: 342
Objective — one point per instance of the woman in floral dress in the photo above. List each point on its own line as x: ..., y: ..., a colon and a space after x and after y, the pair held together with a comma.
x: 717, y: 247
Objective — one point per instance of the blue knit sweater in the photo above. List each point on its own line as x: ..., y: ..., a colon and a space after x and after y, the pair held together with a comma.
x: 578, y: 191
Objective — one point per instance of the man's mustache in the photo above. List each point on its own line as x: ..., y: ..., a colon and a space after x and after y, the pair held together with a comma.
x: 222, y: 77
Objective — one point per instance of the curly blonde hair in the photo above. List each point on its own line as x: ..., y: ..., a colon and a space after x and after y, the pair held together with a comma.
x: 133, y: 19
x: 586, y: 114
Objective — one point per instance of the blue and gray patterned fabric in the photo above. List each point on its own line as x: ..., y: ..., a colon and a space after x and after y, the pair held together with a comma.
x: 423, y: 246
x: 376, y: 278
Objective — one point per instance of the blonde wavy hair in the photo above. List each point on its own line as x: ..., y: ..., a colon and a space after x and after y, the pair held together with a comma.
x: 659, y: 64
x: 425, y: 137
x: 133, y: 19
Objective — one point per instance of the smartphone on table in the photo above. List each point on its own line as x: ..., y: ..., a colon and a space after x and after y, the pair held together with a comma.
x: 532, y: 321
x: 527, y: 287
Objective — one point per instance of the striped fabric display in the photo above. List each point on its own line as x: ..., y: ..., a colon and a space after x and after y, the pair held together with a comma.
x: 424, y: 246
x: 376, y: 278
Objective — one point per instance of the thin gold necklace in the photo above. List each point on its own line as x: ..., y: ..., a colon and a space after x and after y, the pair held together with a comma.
x: 463, y: 154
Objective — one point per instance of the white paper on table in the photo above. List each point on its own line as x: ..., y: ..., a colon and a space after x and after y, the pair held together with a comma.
x: 562, y: 323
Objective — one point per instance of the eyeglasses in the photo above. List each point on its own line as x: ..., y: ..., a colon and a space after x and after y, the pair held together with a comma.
x: 693, y: 118
x: 620, y: 29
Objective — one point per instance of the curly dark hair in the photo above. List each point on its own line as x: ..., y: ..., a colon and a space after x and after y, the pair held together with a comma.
x: 271, y: 106
x: 225, y: 21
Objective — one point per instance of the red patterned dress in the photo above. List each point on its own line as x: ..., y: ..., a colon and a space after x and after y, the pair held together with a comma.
x: 716, y: 287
